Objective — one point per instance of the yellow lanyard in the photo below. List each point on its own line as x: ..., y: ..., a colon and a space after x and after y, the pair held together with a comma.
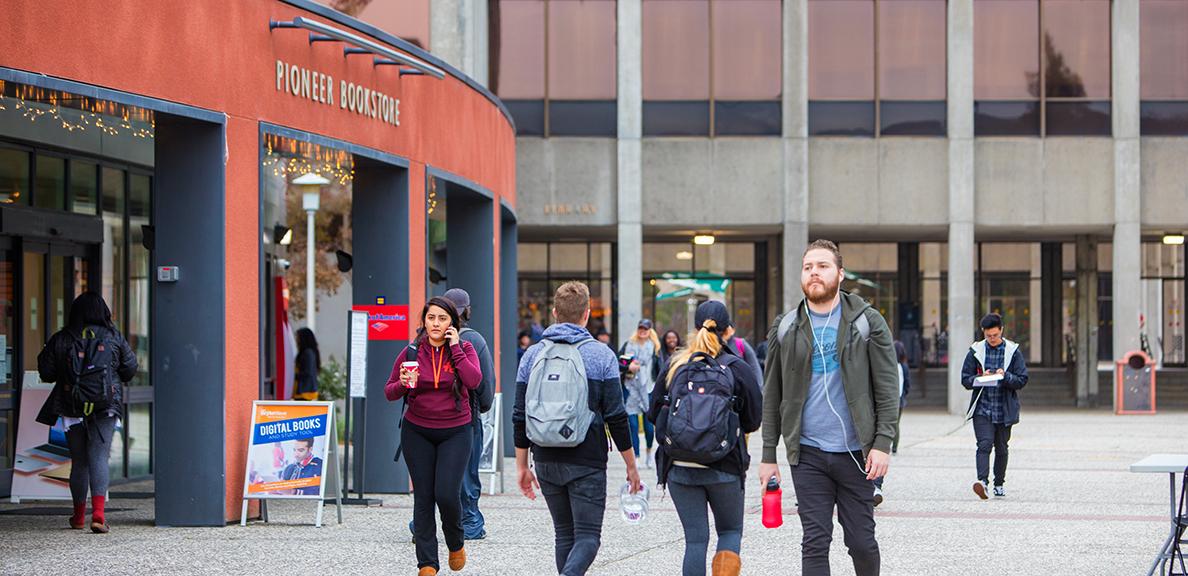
x: 437, y: 364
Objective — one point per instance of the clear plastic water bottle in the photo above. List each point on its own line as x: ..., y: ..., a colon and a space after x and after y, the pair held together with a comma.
x: 633, y: 507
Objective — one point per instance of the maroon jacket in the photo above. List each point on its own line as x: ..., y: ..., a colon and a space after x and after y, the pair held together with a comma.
x: 432, y: 404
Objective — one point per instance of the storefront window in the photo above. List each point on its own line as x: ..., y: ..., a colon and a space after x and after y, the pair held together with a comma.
x: 1163, y: 294
x: 113, y: 242
x: 84, y: 187
x: 679, y: 276
x: 1164, y: 67
x: 50, y: 191
x: 139, y: 275
x: 934, y: 307
x: 14, y: 176
x: 544, y: 267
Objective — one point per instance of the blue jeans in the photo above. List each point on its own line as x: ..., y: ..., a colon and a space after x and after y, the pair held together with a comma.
x: 726, y: 501
x: 823, y: 479
x: 576, y: 496
x: 649, y: 432
x: 472, y: 488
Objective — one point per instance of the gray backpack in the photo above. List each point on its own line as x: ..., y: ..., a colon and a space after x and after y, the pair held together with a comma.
x: 557, y: 401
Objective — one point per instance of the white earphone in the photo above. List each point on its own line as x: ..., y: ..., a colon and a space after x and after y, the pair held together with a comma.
x: 825, y: 369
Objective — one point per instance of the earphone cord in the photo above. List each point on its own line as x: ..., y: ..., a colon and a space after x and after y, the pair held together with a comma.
x: 825, y: 379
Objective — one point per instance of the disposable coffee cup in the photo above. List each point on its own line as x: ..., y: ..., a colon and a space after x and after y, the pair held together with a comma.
x: 411, y: 367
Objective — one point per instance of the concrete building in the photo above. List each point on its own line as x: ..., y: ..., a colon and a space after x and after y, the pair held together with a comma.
x: 968, y: 156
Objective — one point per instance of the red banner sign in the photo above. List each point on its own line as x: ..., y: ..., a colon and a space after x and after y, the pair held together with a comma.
x: 386, y: 322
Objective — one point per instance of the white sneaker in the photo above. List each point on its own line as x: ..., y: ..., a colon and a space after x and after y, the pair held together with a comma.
x: 650, y: 460
x: 878, y: 496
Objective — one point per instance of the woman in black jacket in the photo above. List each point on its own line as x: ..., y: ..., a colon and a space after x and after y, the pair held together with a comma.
x: 308, y: 364
x: 719, y: 483
x: 89, y: 429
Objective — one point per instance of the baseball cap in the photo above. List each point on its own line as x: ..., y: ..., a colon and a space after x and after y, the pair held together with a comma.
x: 459, y: 297
x: 645, y: 323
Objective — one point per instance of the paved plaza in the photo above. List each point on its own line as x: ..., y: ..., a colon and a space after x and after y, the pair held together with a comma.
x: 1072, y: 507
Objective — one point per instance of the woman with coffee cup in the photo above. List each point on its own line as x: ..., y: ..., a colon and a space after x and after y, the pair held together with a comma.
x: 436, y: 432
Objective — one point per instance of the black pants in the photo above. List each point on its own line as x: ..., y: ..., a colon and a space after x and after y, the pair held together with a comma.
x: 436, y: 460
x: 991, y: 436
x: 823, y: 479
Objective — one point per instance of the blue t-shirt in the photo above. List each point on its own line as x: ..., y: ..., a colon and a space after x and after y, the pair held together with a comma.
x: 830, y: 429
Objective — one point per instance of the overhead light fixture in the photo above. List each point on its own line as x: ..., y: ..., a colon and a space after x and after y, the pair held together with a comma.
x: 1174, y: 239
x: 363, y: 43
x: 684, y: 255
x: 703, y: 239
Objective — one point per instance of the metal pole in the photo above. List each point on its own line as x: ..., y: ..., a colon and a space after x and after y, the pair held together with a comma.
x: 310, y: 307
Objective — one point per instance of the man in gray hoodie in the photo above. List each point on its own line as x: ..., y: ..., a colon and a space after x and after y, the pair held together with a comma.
x: 831, y: 391
x: 573, y: 480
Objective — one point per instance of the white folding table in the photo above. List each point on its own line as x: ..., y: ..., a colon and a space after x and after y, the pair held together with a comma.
x: 1170, y: 464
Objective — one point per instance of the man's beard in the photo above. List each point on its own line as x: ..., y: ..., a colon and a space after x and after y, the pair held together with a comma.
x: 824, y: 295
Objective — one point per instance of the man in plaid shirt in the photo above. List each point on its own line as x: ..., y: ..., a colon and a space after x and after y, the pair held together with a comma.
x: 994, y: 408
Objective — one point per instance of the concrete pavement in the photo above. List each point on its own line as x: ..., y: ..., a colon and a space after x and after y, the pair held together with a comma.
x: 1072, y: 506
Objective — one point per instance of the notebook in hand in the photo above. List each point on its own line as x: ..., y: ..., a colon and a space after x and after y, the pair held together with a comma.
x: 987, y: 380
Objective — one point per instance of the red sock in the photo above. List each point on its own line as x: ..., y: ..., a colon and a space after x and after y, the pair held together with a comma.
x: 80, y: 511
x: 97, y: 508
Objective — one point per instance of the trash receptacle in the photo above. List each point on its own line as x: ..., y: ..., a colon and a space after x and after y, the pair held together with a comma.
x: 1134, y: 384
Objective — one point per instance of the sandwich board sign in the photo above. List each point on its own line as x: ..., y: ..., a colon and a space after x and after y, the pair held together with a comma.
x: 292, y: 451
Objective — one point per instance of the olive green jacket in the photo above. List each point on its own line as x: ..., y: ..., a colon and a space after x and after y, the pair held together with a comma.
x: 869, y: 379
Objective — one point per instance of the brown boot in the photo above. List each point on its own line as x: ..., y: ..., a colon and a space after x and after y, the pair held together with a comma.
x: 726, y: 563
x: 427, y: 571
x: 458, y: 559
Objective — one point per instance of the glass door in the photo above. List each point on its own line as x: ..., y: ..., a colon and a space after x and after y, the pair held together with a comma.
x: 7, y: 385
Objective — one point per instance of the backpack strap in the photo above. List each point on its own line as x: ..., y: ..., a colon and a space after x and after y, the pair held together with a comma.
x: 863, y: 325
x: 790, y: 319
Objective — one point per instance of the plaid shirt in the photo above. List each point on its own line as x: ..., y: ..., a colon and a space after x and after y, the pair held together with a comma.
x: 990, y: 405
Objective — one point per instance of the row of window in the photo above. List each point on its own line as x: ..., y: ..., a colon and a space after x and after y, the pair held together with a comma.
x: 876, y: 67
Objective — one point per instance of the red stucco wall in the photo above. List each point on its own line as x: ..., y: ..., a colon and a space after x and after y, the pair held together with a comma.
x: 221, y: 56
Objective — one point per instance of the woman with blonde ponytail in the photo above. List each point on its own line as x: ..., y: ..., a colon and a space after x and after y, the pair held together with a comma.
x: 717, y: 483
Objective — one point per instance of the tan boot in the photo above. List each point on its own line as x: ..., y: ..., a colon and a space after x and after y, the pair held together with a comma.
x: 726, y: 563
x: 458, y: 559
x: 427, y: 571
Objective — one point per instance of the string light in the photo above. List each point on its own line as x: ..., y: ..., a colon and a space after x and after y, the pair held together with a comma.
x: 109, y: 117
x: 288, y: 157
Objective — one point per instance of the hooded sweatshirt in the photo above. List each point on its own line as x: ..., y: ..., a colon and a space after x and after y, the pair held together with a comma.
x: 605, y: 396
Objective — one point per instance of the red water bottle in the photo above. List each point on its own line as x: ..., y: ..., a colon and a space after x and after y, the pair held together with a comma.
x: 773, y: 516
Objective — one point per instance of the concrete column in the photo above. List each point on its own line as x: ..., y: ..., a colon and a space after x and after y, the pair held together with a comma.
x: 1127, y: 272
x: 1086, y: 322
x: 795, y: 134
x: 630, y: 164
x: 961, y: 195
x: 458, y: 35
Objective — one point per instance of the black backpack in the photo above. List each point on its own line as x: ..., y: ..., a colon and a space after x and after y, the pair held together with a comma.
x: 699, y: 419
x: 91, y: 385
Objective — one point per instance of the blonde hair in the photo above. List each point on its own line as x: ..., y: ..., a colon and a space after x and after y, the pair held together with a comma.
x: 635, y: 339
x: 705, y: 339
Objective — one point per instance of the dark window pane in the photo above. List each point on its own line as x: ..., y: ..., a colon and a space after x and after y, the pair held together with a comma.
x: 747, y: 49
x: 1164, y: 119
x: 529, y: 116
x: 912, y: 50
x: 676, y: 56
x: 518, y: 49
x: 1163, y: 49
x: 84, y: 188
x: 1077, y: 48
x: 897, y: 118
x: 1006, y: 49
x: 583, y: 118
x: 50, y: 191
x: 1006, y: 118
x: 841, y: 50
x: 841, y: 118
x: 747, y: 118
x: 581, y: 50
x: 140, y: 196
x: 14, y: 176
x: 113, y: 191
x: 676, y: 118
x: 1079, y: 119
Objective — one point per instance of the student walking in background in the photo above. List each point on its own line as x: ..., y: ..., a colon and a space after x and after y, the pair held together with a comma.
x: 88, y: 339
x: 308, y: 366
x: 698, y: 377
x: 644, y: 349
